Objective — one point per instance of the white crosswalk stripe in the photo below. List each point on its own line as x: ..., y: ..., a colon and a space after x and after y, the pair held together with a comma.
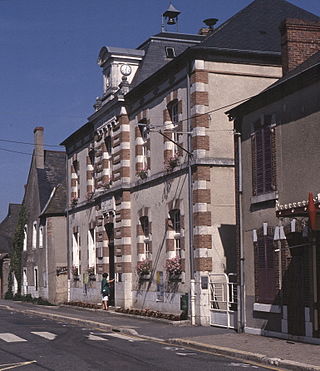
x: 44, y: 334
x: 10, y: 338
x: 124, y: 336
x: 95, y: 337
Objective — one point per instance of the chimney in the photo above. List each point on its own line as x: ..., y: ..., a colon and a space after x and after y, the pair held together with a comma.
x: 210, y: 22
x: 299, y: 41
x: 38, y: 147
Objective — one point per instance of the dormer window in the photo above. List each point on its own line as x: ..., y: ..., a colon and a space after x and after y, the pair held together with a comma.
x: 107, y: 80
x: 170, y: 52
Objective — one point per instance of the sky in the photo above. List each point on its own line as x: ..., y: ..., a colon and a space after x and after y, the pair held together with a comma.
x: 49, y: 76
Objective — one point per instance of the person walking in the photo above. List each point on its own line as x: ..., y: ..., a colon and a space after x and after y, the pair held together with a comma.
x: 105, y: 290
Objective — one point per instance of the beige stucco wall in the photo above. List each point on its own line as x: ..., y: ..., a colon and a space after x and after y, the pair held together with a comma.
x: 228, y: 84
x: 57, y: 257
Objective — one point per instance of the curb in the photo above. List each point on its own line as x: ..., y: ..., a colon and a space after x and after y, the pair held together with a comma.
x: 256, y: 357
x: 85, y: 322
x: 146, y: 318
x: 223, y: 351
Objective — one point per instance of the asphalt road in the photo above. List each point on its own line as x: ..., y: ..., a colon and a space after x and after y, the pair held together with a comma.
x: 32, y: 343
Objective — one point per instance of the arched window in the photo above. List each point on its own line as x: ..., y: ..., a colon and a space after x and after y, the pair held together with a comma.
x: 41, y: 232
x: 25, y: 237
x: 34, y: 235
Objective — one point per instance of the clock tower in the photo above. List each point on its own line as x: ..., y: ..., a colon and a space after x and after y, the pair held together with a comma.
x: 118, y: 64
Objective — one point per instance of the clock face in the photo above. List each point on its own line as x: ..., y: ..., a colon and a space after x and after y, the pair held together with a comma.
x: 125, y: 69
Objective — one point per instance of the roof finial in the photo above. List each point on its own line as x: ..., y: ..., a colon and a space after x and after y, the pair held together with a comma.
x: 170, y: 16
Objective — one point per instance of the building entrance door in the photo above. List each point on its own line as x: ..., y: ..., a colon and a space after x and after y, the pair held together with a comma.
x: 295, y: 292
x: 223, y: 300
x: 110, y: 232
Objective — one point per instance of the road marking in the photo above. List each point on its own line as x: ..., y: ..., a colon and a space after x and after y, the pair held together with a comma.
x: 9, y: 366
x: 124, y: 337
x: 186, y: 354
x: 244, y: 365
x: 95, y: 337
x: 44, y: 334
x: 10, y: 338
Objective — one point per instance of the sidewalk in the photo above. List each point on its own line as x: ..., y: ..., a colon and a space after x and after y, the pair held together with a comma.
x: 280, y: 353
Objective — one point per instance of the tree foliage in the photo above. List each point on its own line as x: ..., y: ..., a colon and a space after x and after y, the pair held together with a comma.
x: 16, y: 256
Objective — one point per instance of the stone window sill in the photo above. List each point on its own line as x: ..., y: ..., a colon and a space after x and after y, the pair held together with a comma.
x: 264, y: 197
x: 269, y: 308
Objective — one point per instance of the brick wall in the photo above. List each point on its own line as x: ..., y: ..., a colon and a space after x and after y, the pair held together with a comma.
x: 299, y: 41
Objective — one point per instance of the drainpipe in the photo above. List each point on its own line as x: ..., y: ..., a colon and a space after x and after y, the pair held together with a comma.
x: 68, y: 232
x: 190, y: 206
x: 315, y: 285
x: 241, y: 296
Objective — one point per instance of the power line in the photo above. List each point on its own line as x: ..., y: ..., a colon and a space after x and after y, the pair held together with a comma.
x: 211, y: 111
x: 29, y: 143
x: 9, y: 150
x: 192, y: 117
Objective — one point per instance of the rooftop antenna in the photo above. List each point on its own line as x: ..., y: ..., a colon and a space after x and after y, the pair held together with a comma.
x: 170, y: 17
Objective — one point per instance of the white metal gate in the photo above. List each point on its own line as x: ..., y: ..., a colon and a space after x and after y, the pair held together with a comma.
x: 223, y: 300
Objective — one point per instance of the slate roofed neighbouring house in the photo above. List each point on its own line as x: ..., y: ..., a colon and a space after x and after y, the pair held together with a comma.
x: 44, y: 250
x: 53, y: 175
x: 256, y: 27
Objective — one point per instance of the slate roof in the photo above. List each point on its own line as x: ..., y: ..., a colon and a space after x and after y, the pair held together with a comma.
x: 155, y: 52
x: 256, y: 27
x: 53, y: 174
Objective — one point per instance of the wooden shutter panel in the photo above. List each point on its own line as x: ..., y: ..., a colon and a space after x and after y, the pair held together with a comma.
x: 267, y: 157
x: 273, y: 160
x: 254, y: 167
x: 265, y: 270
x: 259, y: 162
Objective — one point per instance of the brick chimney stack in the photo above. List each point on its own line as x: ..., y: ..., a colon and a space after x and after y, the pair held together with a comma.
x: 299, y: 41
x: 38, y: 147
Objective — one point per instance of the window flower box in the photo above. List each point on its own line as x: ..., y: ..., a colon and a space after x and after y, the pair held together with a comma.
x: 175, y: 277
x: 91, y: 274
x: 75, y: 273
x: 142, y: 174
x: 174, y: 269
x: 74, y: 202
x: 144, y: 270
x: 145, y: 277
x: 172, y: 162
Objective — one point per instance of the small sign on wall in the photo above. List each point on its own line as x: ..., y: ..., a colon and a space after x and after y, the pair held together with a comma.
x: 204, y: 282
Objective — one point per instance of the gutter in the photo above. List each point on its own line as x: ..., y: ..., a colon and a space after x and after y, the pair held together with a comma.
x: 190, y: 205
x: 241, y: 288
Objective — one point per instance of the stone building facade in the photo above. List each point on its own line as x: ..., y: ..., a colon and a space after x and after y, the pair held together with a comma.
x: 44, y: 255
x: 280, y: 232
x: 151, y: 174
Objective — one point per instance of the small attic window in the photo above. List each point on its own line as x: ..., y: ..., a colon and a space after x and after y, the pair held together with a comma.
x: 170, y: 52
